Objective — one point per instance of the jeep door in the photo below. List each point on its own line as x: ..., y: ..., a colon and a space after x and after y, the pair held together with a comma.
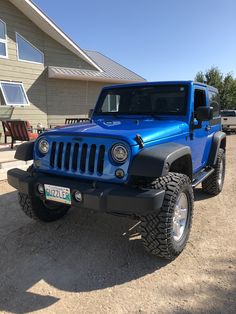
x: 214, y: 124
x: 200, y: 131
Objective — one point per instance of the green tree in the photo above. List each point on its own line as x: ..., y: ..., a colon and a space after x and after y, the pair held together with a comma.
x: 229, y: 92
x: 226, y: 85
x: 200, y: 77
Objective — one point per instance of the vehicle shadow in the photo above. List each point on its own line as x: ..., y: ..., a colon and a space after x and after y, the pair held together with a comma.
x: 212, y: 296
x: 82, y: 252
x: 199, y: 195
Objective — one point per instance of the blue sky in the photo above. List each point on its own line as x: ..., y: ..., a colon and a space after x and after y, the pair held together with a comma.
x: 158, y: 39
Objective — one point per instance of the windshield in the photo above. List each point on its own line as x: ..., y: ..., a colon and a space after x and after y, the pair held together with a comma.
x: 145, y: 100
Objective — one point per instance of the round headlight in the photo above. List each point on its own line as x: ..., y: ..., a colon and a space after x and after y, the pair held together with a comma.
x: 43, y: 146
x: 119, y: 153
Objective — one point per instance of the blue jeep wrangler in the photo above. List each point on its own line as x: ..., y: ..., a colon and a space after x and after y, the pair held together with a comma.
x: 147, y: 146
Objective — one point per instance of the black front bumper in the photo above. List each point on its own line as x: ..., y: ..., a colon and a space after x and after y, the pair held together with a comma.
x: 99, y: 196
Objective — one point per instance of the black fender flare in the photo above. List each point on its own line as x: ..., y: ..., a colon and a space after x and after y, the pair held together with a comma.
x: 156, y: 161
x: 218, y: 141
x: 25, y: 151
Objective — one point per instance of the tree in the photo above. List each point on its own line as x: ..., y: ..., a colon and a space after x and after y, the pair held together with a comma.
x: 229, y: 92
x: 226, y: 85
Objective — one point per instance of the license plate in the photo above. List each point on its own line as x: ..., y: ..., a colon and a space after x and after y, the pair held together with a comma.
x: 57, y: 194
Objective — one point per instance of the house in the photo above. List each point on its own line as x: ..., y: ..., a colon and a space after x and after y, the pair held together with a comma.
x: 44, y: 75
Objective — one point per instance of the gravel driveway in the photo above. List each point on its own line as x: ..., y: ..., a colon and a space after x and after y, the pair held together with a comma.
x: 91, y: 263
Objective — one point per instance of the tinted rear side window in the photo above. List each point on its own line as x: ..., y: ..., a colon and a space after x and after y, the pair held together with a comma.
x: 228, y: 113
x: 214, y: 102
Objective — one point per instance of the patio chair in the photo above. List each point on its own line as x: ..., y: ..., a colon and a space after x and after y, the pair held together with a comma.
x: 81, y: 120
x: 20, y: 131
x: 6, y: 131
x: 76, y: 120
x: 71, y: 120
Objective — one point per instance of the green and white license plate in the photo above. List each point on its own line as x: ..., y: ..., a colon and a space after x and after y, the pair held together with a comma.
x: 57, y: 194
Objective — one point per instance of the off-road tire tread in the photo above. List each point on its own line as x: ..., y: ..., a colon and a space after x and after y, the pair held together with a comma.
x: 35, y: 209
x: 156, y: 228
x: 26, y: 206
x: 210, y: 184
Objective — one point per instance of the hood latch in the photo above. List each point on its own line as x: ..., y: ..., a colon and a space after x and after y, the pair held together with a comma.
x: 139, y: 140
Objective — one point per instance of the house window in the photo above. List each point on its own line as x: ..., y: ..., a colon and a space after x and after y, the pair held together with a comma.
x: 14, y: 94
x: 28, y: 52
x: 3, y: 40
x: 113, y: 103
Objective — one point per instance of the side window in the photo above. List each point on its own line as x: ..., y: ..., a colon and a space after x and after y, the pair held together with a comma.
x: 199, y: 98
x: 3, y: 40
x: 214, y: 102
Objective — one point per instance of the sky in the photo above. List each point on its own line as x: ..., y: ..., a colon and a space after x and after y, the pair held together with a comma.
x: 157, y: 39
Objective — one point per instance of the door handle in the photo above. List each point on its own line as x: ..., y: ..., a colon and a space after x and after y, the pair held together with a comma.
x: 208, y: 128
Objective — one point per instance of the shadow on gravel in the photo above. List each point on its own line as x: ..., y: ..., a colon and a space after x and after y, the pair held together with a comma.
x: 82, y: 252
x: 212, y: 296
x: 199, y: 195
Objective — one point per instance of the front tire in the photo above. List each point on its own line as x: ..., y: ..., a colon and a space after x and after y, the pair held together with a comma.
x: 37, y: 209
x: 213, y: 185
x: 166, y: 233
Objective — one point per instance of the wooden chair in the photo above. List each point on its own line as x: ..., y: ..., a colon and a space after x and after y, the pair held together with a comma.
x: 76, y: 120
x: 81, y: 120
x: 6, y: 131
x: 71, y: 120
x: 20, y: 131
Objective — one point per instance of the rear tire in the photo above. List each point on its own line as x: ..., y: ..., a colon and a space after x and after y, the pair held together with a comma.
x: 213, y: 185
x: 159, y: 231
x: 37, y: 209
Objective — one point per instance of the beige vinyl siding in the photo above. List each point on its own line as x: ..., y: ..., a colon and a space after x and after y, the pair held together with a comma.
x: 69, y: 99
x: 94, y: 89
x: 51, y: 100
x: 55, y: 53
x: 44, y: 96
x: 31, y: 75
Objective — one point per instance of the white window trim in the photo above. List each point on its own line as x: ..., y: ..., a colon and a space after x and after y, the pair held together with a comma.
x: 4, y: 41
x: 17, y: 50
x: 5, y: 98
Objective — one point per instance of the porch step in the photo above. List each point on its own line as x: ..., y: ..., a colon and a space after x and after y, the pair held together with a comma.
x: 202, y: 176
x: 5, y: 166
x: 11, y: 164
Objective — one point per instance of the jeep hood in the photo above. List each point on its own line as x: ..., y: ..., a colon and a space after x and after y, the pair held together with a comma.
x: 125, y: 129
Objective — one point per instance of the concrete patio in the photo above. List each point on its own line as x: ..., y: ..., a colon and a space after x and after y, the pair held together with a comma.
x: 7, y: 160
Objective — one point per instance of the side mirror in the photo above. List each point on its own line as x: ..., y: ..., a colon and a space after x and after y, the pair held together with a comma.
x: 204, y: 113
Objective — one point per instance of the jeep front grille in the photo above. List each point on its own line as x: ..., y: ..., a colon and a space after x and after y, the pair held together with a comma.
x: 83, y: 158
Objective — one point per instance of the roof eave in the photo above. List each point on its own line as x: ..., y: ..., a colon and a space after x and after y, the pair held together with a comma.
x: 65, y: 76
